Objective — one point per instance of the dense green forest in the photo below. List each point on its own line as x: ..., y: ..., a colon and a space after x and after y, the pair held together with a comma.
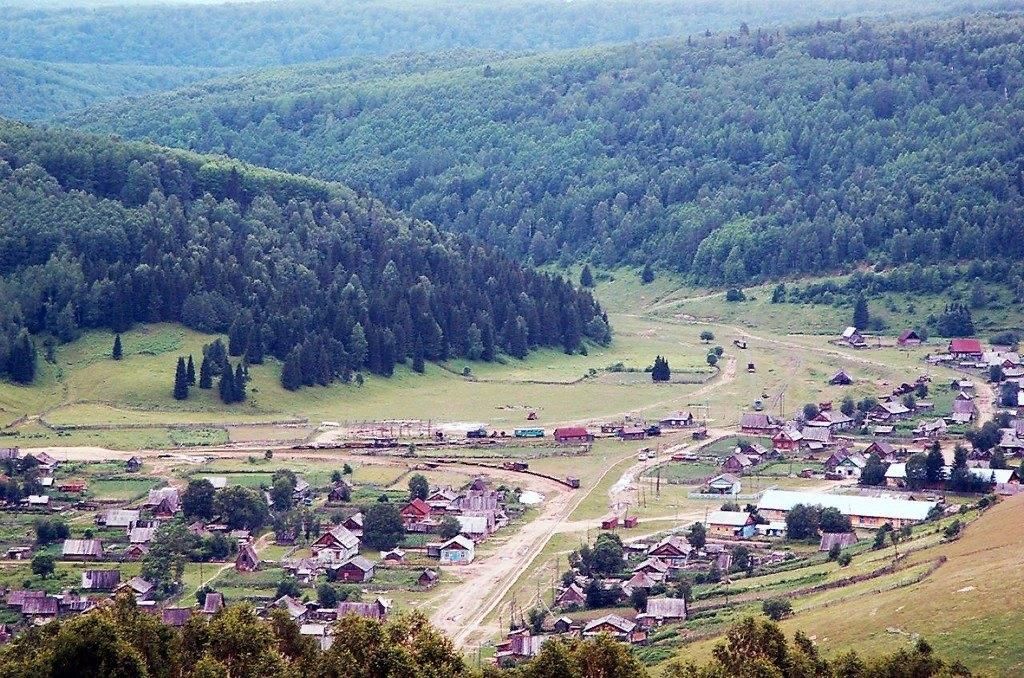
x: 728, y: 157
x: 267, y: 33
x: 122, y: 641
x: 99, y: 233
x: 35, y: 90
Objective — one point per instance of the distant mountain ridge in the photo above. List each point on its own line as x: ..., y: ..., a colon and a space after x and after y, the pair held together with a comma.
x: 730, y: 158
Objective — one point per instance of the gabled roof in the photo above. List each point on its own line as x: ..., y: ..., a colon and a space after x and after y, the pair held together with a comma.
x: 359, y: 563
x: 138, y: 586
x: 293, y: 607
x: 45, y: 605
x: 842, y: 539
x: 876, y: 507
x: 655, y: 564
x: 176, y: 616
x: 418, y: 506
x: 458, y: 542
x: 756, y: 420
x: 101, y: 580
x: 965, y: 346
x: 666, y: 608
x: 732, y: 518
x: 82, y: 547
x: 906, y: 335
x: 141, y: 535
x: 340, y: 535
x: 213, y: 603
x: 120, y: 517
x: 619, y: 623
x: 571, y: 432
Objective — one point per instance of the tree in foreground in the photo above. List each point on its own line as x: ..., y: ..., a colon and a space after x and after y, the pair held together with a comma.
x: 419, y: 487
x: 382, y: 526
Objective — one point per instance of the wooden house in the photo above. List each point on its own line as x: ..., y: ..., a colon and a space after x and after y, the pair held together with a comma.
x: 82, y: 549
x: 176, y: 616
x: 758, y: 423
x: 663, y: 610
x: 573, y: 434
x: 840, y: 378
x: 133, y: 465
x: 909, y: 338
x: 965, y: 349
x: 355, y: 570
x: 725, y: 484
x: 842, y: 539
x: 737, y: 463
x: 673, y: 550
x: 571, y: 596
x: 213, y: 603
x: 338, y: 539
x: 100, y: 580
x: 138, y: 587
x: 457, y: 551
x: 851, y: 336
x: 247, y: 560
x: 632, y: 433
x: 428, y: 578
x: 416, y: 511
x: 787, y: 440
x: 615, y: 626
x: 730, y: 524
x: 679, y: 419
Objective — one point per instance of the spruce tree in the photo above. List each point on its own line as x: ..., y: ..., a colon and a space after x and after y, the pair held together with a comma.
x: 205, y: 375
x: 118, y: 351
x: 861, y: 316
x: 291, y: 373
x: 190, y: 371
x: 180, y: 380
x: 254, y: 349
x: 647, y: 275
x: 240, y: 378
x: 226, y: 386
x: 586, y: 277
x: 417, y: 357
x: 21, y: 361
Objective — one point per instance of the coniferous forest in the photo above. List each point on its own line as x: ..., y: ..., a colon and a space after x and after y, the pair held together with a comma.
x: 103, y: 234
x: 733, y: 156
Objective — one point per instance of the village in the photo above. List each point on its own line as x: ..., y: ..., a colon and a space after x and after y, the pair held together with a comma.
x: 650, y: 527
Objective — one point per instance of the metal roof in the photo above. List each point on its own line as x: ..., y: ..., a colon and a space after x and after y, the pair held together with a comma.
x: 876, y: 507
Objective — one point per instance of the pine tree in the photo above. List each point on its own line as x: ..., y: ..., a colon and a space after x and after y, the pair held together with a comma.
x: 240, y: 378
x: 118, y: 351
x: 647, y: 275
x: 190, y: 371
x: 586, y: 277
x: 21, y: 361
x: 254, y: 349
x: 205, y: 374
x: 226, y: 386
x: 861, y: 316
x: 291, y: 373
x: 180, y: 380
x: 417, y: 357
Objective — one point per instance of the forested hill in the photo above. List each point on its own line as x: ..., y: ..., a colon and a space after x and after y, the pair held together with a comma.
x: 96, y: 233
x: 728, y: 157
x: 296, y: 31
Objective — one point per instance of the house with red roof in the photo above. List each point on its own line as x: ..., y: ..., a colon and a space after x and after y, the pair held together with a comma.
x: 416, y: 511
x: 573, y: 434
x: 965, y: 348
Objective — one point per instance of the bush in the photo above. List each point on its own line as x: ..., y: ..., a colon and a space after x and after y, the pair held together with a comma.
x: 735, y: 294
x: 844, y: 559
x: 777, y: 609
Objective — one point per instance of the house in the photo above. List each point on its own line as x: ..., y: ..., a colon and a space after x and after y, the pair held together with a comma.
x: 562, y: 625
x: 519, y: 645
x: 725, y: 483
x: 302, y: 490
x: 632, y: 433
x: 82, y: 549
x: 43, y: 459
x: 18, y: 553
x: 612, y: 624
x: 833, y: 460
x: 16, y: 599
x: 247, y: 560
x: 138, y: 587
x: 323, y: 634
x: 609, y: 522
x: 775, y: 528
x: 101, y: 580
x: 339, y: 539
x: 730, y: 524
x: 840, y: 378
x: 212, y: 603
x: 680, y: 419
x: 163, y: 502
x: 889, y: 411
x: 441, y: 498
x: 864, y: 512
x: 571, y: 596
x: 737, y: 462
x: 133, y: 465
x: 416, y: 511
x: 835, y: 420
x: 962, y: 349
x: 125, y: 518
x: 457, y: 551
x: 377, y: 609
x: 40, y: 609
x: 840, y: 539
x: 664, y: 610
x: 851, y: 336
x: 964, y: 411
x: 36, y: 501
x: 141, y: 535
x: 341, y: 491
x: 931, y: 429
x: 909, y: 338
x: 881, y: 449
x: 640, y: 580
x: 787, y: 440
x: 851, y: 467
x: 758, y: 423
x: 357, y: 569
x: 474, y: 527
x: 573, y: 434
x: 176, y: 616
x: 655, y: 568
x: 72, y: 487
x: 428, y: 578
x: 394, y: 556
x: 135, y: 552
x: 294, y: 608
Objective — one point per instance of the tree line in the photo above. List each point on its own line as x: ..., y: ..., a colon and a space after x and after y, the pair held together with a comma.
x: 104, y: 234
x: 727, y: 157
